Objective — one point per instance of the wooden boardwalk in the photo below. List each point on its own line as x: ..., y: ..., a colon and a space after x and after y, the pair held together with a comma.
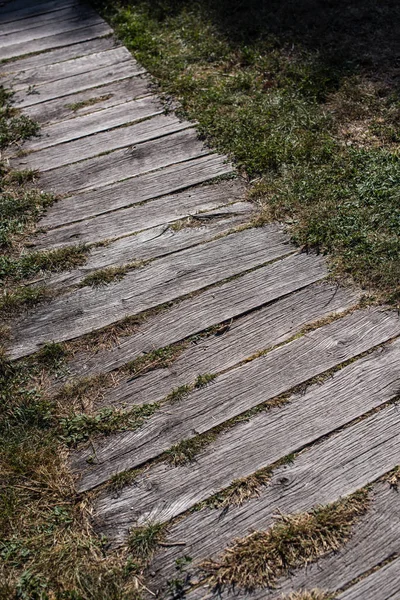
x: 251, y: 318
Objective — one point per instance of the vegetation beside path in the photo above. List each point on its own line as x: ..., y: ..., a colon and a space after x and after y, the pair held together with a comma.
x: 304, y: 96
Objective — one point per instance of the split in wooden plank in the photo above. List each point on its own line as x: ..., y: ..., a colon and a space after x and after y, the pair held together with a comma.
x: 255, y: 332
x: 165, y: 492
x: 383, y: 584
x: 77, y: 83
x: 67, y: 13
x: 75, y: 36
x: 86, y: 310
x: 14, y: 12
x: 69, y: 153
x: 54, y: 72
x: 87, y: 125
x: 156, y: 242
x: 89, y: 101
x: 208, y: 309
x: 119, y: 165
x: 336, y: 467
x: 83, y: 18
x: 52, y: 57
x: 135, y: 191
x: 236, y: 392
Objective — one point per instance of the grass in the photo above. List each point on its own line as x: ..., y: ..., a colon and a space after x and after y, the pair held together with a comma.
x: 294, y: 541
x: 76, y: 106
x: 306, y: 104
x: 308, y: 595
x: 144, y: 540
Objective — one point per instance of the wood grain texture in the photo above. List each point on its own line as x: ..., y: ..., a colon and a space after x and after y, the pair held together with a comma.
x: 165, y: 492
x: 12, y: 11
x: 79, y: 18
x: 72, y: 152
x: 119, y: 165
x: 257, y: 331
x: 156, y: 242
x: 384, y: 584
x: 336, y: 467
x: 132, y: 192
x: 51, y: 57
x: 374, y: 539
x: 96, y: 122
x: 163, y: 280
x: 106, y: 96
x: 51, y: 18
x: 209, y: 308
x: 75, y: 36
x: 60, y: 70
x: 233, y: 393
x: 76, y: 83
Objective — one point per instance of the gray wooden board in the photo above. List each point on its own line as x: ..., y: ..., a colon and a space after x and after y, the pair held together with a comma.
x: 13, y: 12
x: 86, y: 125
x: 165, y: 492
x: 52, y: 57
x: 20, y: 26
x: 86, y: 18
x: 333, y: 468
x: 269, y: 326
x: 106, y: 96
x: 88, y: 309
x: 77, y: 83
x: 119, y: 165
x: 87, y: 147
x: 383, y: 584
x: 236, y: 392
x: 375, y: 538
x: 60, y: 70
x: 209, y: 308
x: 134, y: 191
x: 75, y: 36
x: 156, y: 242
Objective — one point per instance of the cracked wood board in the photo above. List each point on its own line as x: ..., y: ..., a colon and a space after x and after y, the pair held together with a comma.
x: 120, y: 165
x: 207, y: 309
x: 235, y: 392
x: 67, y: 68
x: 156, y: 242
x: 86, y: 310
x: 269, y: 326
x: 335, y: 467
x: 76, y: 83
x: 128, y: 195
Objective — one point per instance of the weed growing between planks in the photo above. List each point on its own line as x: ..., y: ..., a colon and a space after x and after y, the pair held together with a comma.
x: 303, y: 101
x: 259, y: 559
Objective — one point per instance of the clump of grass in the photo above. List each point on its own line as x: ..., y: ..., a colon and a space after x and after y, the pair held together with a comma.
x: 186, y: 451
x: 24, y: 297
x: 143, y: 541
x: 104, y: 276
x: 51, y: 355
x: 204, y: 379
x: 308, y: 595
x: 36, y: 262
x: 259, y: 559
x: 178, y: 394
x: 75, y: 106
x: 120, y: 480
x: 157, y: 359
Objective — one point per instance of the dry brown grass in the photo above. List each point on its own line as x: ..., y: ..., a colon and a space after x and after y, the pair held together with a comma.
x: 308, y: 595
x: 259, y: 559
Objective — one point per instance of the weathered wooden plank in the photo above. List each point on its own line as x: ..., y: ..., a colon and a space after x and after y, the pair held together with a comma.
x: 383, y: 584
x: 52, y: 57
x: 93, y: 100
x: 69, y: 12
x: 88, y: 18
x: 336, y: 467
x: 208, y: 309
x: 88, y: 147
x: 14, y: 12
x: 77, y: 83
x: 131, y: 192
x: 119, y: 165
x: 75, y: 36
x: 375, y: 538
x: 156, y: 242
x: 267, y: 327
x: 163, y: 280
x: 236, y: 392
x: 165, y: 492
x: 67, y: 68
x: 101, y: 120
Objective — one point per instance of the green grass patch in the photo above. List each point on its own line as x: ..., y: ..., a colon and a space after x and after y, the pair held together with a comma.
x: 305, y: 105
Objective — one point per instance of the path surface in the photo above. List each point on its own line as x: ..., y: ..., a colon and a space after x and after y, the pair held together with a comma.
x: 139, y: 178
